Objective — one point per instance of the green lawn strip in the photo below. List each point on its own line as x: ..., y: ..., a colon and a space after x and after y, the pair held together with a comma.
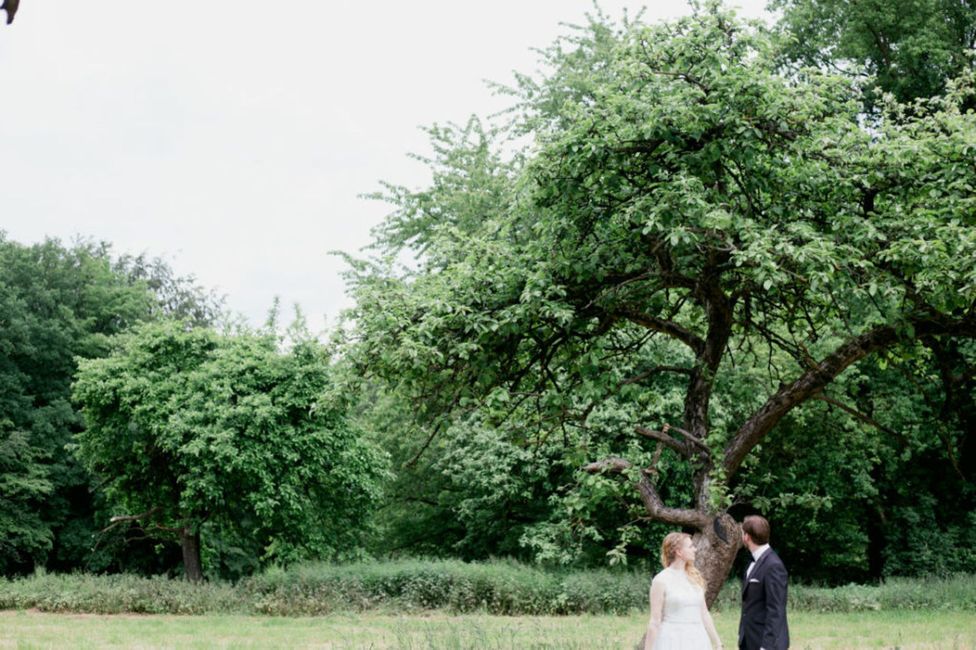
x: 915, y: 630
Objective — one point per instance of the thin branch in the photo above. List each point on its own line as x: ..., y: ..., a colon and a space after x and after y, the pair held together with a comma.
x: 691, y: 438
x: 123, y: 518
x: 665, y: 439
x: 118, y: 520
x: 430, y: 438
x: 672, y: 329
x: 653, y: 371
x: 649, y: 495
x: 652, y: 470
x: 863, y: 417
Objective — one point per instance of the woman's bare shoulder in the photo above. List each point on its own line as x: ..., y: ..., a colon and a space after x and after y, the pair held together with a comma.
x: 660, y: 577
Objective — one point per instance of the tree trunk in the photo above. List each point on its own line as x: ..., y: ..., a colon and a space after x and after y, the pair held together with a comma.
x: 192, y: 567
x: 716, y: 547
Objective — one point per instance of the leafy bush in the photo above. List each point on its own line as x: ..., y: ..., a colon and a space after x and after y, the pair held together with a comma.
x: 500, y: 587
x: 954, y: 593
x: 496, y: 587
x: 116, y: 594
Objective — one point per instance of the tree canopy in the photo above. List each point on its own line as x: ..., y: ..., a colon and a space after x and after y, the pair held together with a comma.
x: 227, y: 444
x: 684, y: 209
x: 911, y: 48
x: 56, y: 303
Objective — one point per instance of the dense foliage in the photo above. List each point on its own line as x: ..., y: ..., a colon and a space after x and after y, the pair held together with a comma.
x: 504, y: 588
x: 695, y: 249
x: 57, y: 303
x: 225, y: 441
x: 910, y: 48
x: 706, y: 259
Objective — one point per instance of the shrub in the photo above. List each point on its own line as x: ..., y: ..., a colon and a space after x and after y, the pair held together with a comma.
x: 499, y: 587
x: 91, y: 594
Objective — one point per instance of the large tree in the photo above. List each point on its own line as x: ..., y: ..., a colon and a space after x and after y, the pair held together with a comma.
x: 59, y: 302
x: 683, y: 208
x: 188, y: 430
x: 56, y: 302
x: 911, y: 48
x: 176, y: 296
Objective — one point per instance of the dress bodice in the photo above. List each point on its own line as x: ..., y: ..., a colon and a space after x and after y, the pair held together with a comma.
x: 683, y: 599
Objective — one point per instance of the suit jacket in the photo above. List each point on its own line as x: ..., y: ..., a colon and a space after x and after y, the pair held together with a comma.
x: 763, y: 621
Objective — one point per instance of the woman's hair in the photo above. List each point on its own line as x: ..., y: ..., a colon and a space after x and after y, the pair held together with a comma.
x: 669, y: 549
x: 758, y: 529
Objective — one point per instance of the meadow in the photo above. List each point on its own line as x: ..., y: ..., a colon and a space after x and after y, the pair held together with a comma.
x: 32, y: 630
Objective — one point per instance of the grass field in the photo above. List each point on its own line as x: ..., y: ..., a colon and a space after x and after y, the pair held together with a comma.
x: 34, y: 630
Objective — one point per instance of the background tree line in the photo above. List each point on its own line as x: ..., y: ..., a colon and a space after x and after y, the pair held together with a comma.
x: 141, y: 430
x: 709, y: 215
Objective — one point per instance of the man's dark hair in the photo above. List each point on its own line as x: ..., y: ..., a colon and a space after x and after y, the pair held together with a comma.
x: 758, y: 529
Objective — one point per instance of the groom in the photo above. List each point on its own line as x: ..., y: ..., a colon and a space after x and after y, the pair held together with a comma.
x: 763, y: 622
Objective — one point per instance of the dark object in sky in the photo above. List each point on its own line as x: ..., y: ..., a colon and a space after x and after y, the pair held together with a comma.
x: 11, y: 7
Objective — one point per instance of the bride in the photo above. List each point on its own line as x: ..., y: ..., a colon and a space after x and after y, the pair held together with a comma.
x: 679, y: 616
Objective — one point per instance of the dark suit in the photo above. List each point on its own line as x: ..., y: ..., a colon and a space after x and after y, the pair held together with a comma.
x: 763, y: 622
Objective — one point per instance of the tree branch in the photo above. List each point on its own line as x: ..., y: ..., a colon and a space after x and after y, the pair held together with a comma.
x: 118, y: 520
x: 653, y: 371
x: 652, y: 500
x: 670, y: 328
x: 433, y: 434
x: 816, y: 378
x: 863, y: 417
x: 664, y: 438
x: 691, y: 438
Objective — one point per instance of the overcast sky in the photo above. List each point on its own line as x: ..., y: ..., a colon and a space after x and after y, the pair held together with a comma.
x: 233, y: 138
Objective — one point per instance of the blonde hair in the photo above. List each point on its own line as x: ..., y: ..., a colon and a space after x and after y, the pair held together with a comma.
x: 669, y: 549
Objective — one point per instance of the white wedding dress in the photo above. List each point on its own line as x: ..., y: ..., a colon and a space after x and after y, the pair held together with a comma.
x: 682, y: 627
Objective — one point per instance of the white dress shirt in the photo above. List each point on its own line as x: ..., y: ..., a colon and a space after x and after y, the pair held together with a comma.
x: 756, y: 554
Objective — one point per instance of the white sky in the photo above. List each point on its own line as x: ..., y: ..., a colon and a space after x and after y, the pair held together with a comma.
x: 233, y: 138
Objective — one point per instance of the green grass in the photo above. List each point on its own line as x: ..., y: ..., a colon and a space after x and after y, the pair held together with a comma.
x: 27, y: 630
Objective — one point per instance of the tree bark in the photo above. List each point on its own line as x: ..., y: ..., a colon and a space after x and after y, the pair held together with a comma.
x: 719, y: 311
x: 192, y: 567
x: 715, y: 549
